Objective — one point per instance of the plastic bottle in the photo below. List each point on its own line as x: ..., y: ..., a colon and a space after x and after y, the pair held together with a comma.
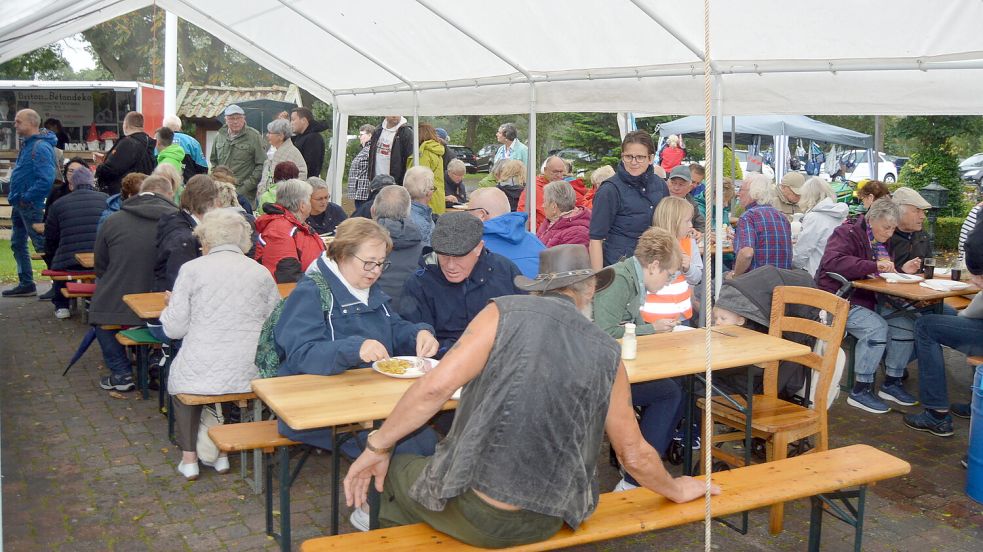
x: 629, y: 344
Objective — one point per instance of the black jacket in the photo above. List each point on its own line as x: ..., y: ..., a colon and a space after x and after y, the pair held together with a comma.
x: 402, y: 150
x: 134, y: 153
x: 125, y: 256
x: 71, y: 226
x: 905, y: 246
x: 326, y: 222
x: 311, y: 146
x: 176, y: 245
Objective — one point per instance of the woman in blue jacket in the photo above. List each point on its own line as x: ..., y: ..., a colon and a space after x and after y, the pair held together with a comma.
x: 361, y: 327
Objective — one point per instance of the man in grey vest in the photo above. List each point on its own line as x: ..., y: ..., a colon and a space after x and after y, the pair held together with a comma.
x: 542, y: 384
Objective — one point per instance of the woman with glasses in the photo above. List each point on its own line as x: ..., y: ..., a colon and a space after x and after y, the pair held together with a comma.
x: 625, y: 204
x: 286, y: 244
x: 360, y: 326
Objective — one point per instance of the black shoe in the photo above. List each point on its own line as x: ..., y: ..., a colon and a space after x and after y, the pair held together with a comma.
x: 48, y: 295
x: 924, y: 421
x: 22, y: 290
x: 113, y: 383
x: 960, y: 410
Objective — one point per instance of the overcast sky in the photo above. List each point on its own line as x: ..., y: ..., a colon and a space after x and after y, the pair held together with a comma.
x: 73, y: 48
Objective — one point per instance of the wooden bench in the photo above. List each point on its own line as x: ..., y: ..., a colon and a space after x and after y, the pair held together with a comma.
x: 959, y: 302
x: 242, y: 401
x: 142, y: 353
x: 69, y: 276
x: 821, y: 476
x: 974, y: 360
x: 37, y: 256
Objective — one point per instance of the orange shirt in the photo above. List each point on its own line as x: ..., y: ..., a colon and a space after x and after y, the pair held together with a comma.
x: 675, y: 299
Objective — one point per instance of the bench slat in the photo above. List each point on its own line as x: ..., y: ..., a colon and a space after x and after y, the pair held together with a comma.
x: 639, y: 510
x: 195, y: 400
x: 248, y: 436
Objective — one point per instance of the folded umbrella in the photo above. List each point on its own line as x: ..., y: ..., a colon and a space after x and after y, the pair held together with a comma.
x: 87, y: 340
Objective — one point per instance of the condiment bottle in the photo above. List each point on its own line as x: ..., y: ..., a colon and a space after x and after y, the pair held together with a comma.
x: 629, y: 345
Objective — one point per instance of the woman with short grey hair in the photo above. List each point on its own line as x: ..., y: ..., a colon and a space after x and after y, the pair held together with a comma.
x: 278, y: 135
x: 325, y: 216
x: 217, y: 351
x: 822, y: 214
x: 564, y: 221
x: 287, y: 245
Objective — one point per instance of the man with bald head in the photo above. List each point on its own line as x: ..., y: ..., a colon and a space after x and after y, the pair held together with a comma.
x: 555, y: 168
x: 30, y: 183
x: 505, y: 231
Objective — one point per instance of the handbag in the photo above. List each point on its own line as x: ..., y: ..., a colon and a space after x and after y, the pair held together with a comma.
x: 211, y: 416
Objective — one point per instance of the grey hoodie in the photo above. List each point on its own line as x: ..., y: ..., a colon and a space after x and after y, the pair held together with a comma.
x: 405, y: 256
x: 817, y: 225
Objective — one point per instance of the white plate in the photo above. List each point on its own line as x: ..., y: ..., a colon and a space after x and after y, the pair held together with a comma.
x: 945, y: 284
x: 461, y: 206
x: 682, y: 329
x: 413, y: 372
x: 896, y: 278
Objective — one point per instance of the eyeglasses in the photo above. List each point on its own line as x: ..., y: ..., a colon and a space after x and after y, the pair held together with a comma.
x: 369, y: 266
x: 478, y: 209
x: 634, y: 158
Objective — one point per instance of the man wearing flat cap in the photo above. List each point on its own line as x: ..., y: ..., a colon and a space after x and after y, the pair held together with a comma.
x: 456, y: 280
x: 787, y: 196
x: 680, y: 185
x: 498, y: 480
x: 240, y: 148
x: 910, y: 241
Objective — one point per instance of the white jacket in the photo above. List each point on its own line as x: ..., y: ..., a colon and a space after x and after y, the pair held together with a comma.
x: 817, y: 225
x: 218, y: 307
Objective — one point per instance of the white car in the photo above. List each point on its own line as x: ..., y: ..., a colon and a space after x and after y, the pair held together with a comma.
x: 858, y: 168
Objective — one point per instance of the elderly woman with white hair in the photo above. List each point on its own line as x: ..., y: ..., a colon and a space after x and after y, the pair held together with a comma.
x: 565, y: 222
x: 763, y: 235
x: 822, y: 214
x: 325, y: 216
x: 419, y: 183
x: 287, y: 245
x: 219, y: 320
x: 278, y: 135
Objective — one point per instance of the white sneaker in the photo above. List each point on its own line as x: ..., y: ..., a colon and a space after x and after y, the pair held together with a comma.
x: 221, y: 464
x: 62, y: 314
x: 360, y: 519
x: 189, y: 471
x: 624, y: 486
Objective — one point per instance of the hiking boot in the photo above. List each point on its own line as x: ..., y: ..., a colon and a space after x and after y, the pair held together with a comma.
x: 925, y: 421
x: 866, y: 400
x: 961, y: 410
x: 897, y: 394
x: 114, y: 383
x: 22, y: 290
x: 48, y: 295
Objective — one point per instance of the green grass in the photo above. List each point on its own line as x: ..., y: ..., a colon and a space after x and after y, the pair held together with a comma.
x: 8, y: 268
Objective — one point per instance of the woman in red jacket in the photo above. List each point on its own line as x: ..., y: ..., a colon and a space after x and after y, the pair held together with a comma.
x: 287, y: 245
x: 565, y: 222
x: 672, y: 154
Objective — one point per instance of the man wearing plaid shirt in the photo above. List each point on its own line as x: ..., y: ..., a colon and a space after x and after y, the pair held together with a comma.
x: 358, y: 173
x: 763, y: 235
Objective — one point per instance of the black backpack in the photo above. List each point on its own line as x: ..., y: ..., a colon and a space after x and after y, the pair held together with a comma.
x: 191, y: 168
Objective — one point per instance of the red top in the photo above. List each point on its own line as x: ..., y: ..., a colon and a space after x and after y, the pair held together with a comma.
x: 671, y: 157
x: 578, y: 187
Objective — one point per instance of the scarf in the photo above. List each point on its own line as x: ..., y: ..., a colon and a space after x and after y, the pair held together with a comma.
x: 641, y: 181
x: 880, y: 250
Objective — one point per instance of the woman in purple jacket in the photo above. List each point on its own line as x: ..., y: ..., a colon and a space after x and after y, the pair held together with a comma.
x: 858, y: 250
x: 565, y: 222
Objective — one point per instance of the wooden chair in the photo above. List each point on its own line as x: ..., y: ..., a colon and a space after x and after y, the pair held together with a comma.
x: 776, y: 421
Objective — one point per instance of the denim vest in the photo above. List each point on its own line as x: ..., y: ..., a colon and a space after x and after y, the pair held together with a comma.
x: 529, y: 427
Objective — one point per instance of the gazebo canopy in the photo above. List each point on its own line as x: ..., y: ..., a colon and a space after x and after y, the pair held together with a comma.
x: 463, y: 57
x: 793, y: 126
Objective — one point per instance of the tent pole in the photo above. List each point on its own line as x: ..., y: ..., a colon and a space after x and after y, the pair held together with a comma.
x: 718, y: 184
x: 416, y: 129
x: 531, y: 169
x: 170, y: 64
x: 336, y: 144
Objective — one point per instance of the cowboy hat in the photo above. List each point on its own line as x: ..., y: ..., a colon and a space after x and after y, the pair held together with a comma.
x: 564, y: 265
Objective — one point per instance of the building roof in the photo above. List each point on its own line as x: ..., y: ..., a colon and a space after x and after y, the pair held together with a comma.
x: 206, y: 102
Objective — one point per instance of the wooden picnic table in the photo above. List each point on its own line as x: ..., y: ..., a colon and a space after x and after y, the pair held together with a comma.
x: 911, y: 292
x: 149, y: 305
x: 87, y: 260
x: 364, y: 395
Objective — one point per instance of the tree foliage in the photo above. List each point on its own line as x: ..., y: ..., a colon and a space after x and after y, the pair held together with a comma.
x: 43, y: 63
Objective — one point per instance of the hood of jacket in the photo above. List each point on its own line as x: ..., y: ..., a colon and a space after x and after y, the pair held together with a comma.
x: 148, y: 206
x: 382, y: 125
x: 750, y: 295
x: 114, y: 202
x: 174, y: 152
x: 404, y: 233
x: 832, y: 209
x: 511, y: 227
x: 432, y: 146
x: 43, y: 136
x: 273, y: 212
x: 314, y: 127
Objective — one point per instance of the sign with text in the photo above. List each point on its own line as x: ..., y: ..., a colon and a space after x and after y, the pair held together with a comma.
x: 71, y: 107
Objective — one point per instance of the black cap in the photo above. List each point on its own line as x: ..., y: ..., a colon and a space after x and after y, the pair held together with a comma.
x: 456, y: 234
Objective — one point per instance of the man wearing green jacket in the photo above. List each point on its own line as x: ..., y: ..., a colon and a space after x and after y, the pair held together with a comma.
x: 241, y: 149
x: 168, y: 151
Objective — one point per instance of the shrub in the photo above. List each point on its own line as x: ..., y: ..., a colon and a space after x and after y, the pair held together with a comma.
x: 947, y: 233
x: 935, y: 163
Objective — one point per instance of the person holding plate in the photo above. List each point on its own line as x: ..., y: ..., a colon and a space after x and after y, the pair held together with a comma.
x: 357, y: 327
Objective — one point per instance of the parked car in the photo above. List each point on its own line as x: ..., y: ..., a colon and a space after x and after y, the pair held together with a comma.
x: 465, y: 154
x: 857, y: 167
x: 971, y: 169
x: 486, y: 158
x: 898, y: 161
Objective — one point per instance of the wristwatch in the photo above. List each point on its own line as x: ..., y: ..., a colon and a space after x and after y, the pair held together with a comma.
x: 368, y: 444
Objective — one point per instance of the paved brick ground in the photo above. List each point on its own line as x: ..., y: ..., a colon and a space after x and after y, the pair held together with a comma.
x: 84, y: 471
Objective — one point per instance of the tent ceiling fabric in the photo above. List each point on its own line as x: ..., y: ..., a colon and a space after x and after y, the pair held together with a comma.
x: 465, y: 56
x: 793, y: 126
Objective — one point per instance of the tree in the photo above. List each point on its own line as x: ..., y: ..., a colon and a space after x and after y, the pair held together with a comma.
x: 935, y: 159
x: 43, y: 63
x: 595, y: 133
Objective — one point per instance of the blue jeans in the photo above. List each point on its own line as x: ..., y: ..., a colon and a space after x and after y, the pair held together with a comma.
x: 22, y: 216
x: 661, y: 402
x: 931, y: 332
x: 113, y: 354
x: 871, y: 332
x: 900, y: 340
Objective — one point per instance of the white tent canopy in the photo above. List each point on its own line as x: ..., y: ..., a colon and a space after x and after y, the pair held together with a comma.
x: 463, y: 57
x: 793, y: 126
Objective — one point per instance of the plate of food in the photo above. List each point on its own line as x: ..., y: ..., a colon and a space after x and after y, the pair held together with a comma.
x: 404, y: 367
x: 899, y: 278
